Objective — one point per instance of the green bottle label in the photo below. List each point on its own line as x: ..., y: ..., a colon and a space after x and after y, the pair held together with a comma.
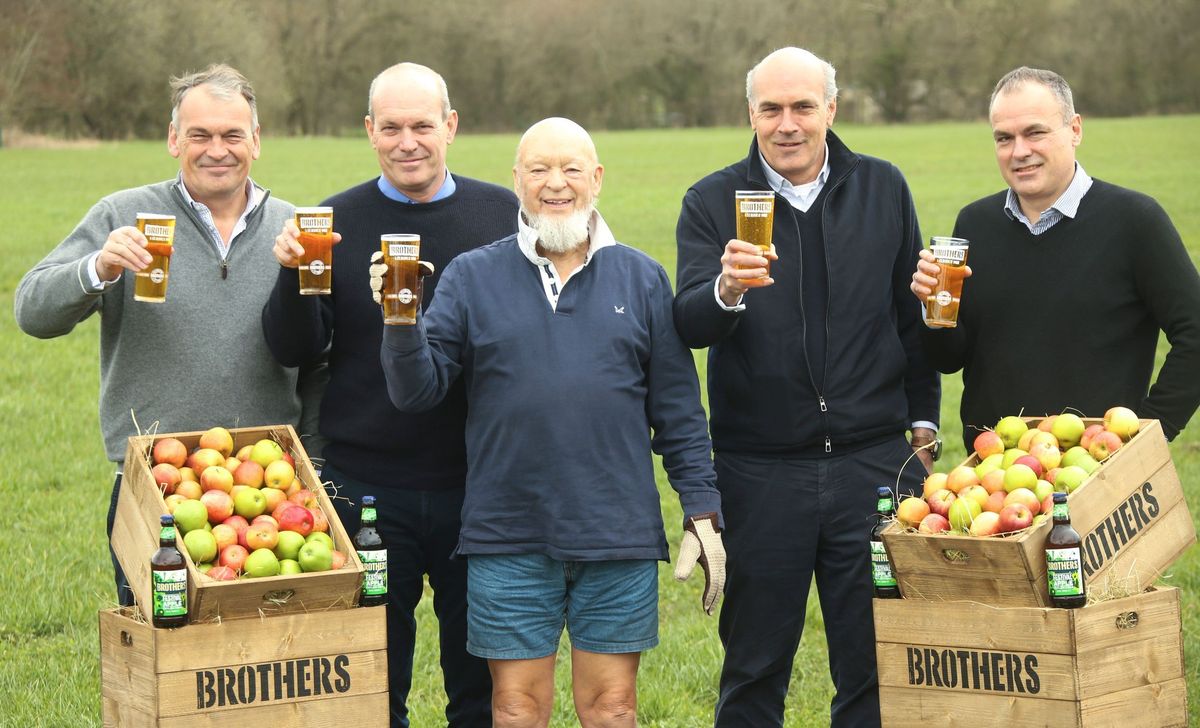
x: 881, y: 568
x: 368, y: 514
x: 884, y: 505
x: 1059, y: 510
x: 170, y: 592
x: 167, y: 532
x: 1064, y: 572
x: 375, y: 578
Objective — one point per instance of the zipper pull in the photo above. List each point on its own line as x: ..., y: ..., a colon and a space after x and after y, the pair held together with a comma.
x: 828, y: 445
x: 822, y: 401
x: 224, y: 269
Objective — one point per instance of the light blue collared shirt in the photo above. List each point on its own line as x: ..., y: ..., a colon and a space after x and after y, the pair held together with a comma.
x: 389, y: 190
x: 1065, y: 206
x: 802, y: 196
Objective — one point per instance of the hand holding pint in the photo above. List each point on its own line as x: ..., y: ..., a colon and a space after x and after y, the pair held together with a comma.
x: 755, y: 219
x: 150, y: 283
x: 942, y: 300
x: 401, y: 285
x: 316, y: 237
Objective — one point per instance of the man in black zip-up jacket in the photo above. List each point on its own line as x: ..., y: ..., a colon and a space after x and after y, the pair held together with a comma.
x: 815, y: 374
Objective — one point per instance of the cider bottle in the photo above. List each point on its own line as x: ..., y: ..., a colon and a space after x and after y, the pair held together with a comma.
x: 168, y: 574
x: 881, y: 568
x: 1064, y: 559
x: 373, y: 555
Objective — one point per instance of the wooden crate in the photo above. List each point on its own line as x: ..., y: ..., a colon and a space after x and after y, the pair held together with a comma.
x: 1134, y: 494
x: 1115, y: 664
x: 303, y: 669
x: 136, y: 529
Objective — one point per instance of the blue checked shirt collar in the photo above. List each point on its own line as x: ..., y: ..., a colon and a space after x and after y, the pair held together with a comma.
x: 1067, y: 205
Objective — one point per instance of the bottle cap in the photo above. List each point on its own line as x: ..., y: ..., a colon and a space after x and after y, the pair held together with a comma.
x: 883, y: 491
x: 368, y: 501
x: 167, y: 519
x: 1060, y: 497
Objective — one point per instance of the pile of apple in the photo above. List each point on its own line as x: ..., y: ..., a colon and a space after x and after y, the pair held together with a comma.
x: 1019, y: 470
x: 245, y: 515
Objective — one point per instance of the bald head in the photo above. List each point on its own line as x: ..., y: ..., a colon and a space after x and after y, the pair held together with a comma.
x: 557, y: 176
x: 409, y: 78
x: 557, y: 132
x: 792, y: 60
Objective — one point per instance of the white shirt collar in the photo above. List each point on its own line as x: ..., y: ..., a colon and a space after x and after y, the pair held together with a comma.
x: 798, y: 196
x: 254, y: 195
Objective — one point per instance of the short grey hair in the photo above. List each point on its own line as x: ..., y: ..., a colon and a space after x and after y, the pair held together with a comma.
x: 415, y: 68
x: 1056, y: 84
x: 827, y: 69
x: 222, y: 81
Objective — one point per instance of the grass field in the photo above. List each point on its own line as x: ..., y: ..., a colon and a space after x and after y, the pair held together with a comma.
x: 54, y: 480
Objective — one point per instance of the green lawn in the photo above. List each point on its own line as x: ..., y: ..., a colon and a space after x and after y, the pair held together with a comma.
x: 54, y: 481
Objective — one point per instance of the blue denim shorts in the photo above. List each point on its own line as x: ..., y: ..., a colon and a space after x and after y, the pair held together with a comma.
x: 518, y: 604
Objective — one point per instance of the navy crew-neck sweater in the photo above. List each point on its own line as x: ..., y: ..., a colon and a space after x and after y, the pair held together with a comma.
x: 368, y: 438
x: 565, y: 404
x: 1070, y: 318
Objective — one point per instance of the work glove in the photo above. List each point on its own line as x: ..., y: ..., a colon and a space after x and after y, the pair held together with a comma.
x: 702, y: 543
x: 379, y: 271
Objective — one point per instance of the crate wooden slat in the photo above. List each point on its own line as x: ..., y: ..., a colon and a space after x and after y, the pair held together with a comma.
x: 135, y: 538
x: 1134, y: 494
x: 1116, y: 663
x: 298, y: 669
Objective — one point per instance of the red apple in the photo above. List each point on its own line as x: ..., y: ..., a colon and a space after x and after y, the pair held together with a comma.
x: 261, y: 536
x: 1027, y: 438
x: 960, y: 477
x: 189, y: 489
x: 1034, y: 464
x: 225, y: 534
x: 274, y: 498
x: 216, y: 477
x: 1047, y: 423
x: 219, y: 439
x: 171, y: 451
x: 995, y: 502
x: 1015, y: 517
x: 985, y: 524
x: 264, y: 518
x: 308, y: 499
x: 233, y: 556
x: 222, y: 573
x: 910, y: 512
x: 1122, y: 422
x: 1047, y: 506
x: 166, y: 477
x: 1025, y: 497
x: 933, y: 483
x: 1089, y: 434
x: 339, y: 558
x: 204, y: 458
x: 941, y: 501
x: 219, y: 505
x: 249, y: 473
x: 320, y: 522
x: 244, y: 453
x: 988, y: 443
x: 1049, y: 456
x: 1104, y: 444
x: 993, y: 482
x: 296, y: 518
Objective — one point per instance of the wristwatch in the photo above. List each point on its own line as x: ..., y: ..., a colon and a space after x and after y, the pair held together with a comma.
x: 935, y: 450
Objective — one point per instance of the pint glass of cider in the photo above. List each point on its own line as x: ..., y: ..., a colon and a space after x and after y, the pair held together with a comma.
x: 755, y: 218
x: 316, y: 235
x: 941, y: 305
x: 401, y: 290
x: 150, y: 283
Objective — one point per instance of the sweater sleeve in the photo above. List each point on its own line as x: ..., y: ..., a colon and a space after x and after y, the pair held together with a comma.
x: 1167, y: 280
x: 680, y: 431
x: 421, y: 362
x: 699, y: 319
x: 297, y: 328
x: 56, y: 294
x: 921, y: 382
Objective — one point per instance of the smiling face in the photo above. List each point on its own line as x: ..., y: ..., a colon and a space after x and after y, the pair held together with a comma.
x: 409, y: 134
x: 790, y: 116
x: 557, y: 173
x: 215, y: 141
x: 1035, y: 145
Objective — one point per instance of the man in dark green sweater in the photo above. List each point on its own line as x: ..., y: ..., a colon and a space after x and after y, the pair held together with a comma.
x: 1073, y: 279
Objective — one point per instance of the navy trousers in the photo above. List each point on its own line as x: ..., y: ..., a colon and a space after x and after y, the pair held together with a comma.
x: 786, y: 521
x: 420, y: 530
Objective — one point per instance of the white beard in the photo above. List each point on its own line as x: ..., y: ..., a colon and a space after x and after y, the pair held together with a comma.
x: 557, y: 234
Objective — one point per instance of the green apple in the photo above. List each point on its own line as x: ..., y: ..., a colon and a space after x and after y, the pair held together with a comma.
x: 962, y: 512
x: 289, y: 566
x: 249, y: 502
x: 289, y: 545
x: 1010, y: 430
x: 1043, y: 489
x: 321, y: 536
x: 191, y: 515
x: 1068, y: 428
x: 201, y: 545
x: 989, y: 463
x: 260, y: 563
x: 1070, y: 478
x: 315, y: 556
x: 1020, y: 476
x: 266, y: 452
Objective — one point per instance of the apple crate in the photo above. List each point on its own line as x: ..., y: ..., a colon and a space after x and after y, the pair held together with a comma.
x: 1131, y: 515
x: 1114, y: 664
x: 301, y: 669
x: 136, y: 531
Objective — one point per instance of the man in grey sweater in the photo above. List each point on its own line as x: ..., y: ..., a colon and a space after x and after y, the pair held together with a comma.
x: 198, y: 359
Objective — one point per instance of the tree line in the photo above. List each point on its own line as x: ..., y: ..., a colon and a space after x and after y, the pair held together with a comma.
x: 99, y: 68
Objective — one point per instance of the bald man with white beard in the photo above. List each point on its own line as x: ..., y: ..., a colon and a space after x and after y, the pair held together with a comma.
x: 574, y: 376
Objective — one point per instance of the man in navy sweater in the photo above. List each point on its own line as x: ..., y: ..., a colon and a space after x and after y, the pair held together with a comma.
x: 815, y: 374
x: 414, y: 464
x: 1076, y: 271
x: 574, y: 374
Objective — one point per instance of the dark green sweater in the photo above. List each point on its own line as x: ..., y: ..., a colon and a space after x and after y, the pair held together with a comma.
x: 1070, y: 318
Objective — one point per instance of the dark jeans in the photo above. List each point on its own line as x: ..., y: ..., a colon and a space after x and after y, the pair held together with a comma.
x: 124, y: 593
x: 786, y: 520
x: 420, y: 530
